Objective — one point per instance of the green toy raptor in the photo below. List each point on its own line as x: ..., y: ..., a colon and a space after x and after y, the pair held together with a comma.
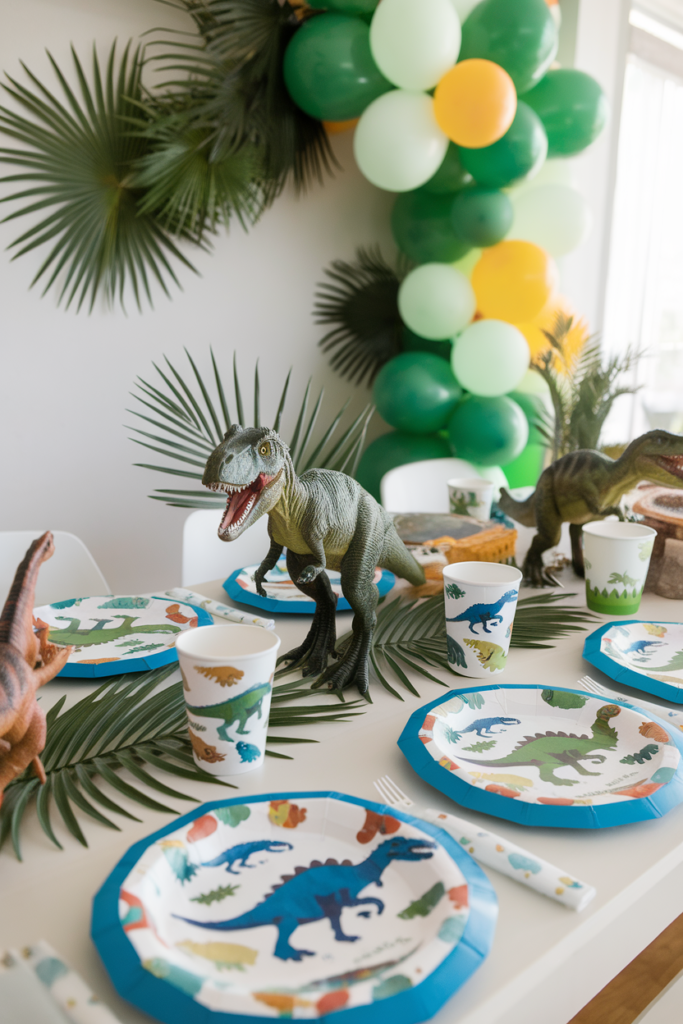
x: 326, y: 521
x: 587, y: 485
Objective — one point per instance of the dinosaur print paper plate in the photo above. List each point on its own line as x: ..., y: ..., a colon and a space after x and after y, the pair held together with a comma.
x: 645, y: 655
x: 115, y: 634
x: 547, y: 757
x: 293, y: 905
x: 283, y: 596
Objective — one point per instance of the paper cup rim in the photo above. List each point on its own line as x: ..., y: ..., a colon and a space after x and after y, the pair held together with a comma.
x: 186, y: 639
x: 625, y: 531
x: 509, y: 574
x: 469, y: 482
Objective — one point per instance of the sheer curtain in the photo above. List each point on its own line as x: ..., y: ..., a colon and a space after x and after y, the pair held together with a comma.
x: 644, y: 301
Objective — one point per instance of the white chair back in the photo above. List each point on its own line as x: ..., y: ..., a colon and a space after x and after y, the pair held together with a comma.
x: 421, y: 486
x: 71, y: 572
x: 205, y: 557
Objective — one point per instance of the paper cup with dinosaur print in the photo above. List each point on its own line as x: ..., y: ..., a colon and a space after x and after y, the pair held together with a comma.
x: 481, y: 598
x: 616, y: 557
x: 471, y: 497
x: 228, y: 681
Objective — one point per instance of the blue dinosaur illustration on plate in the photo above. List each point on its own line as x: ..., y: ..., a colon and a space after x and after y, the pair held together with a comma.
x: 485, y: 614
x: 239, y: 855
x: 322, y: 892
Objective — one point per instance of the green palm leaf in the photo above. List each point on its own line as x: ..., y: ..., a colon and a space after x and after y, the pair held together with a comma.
x: 76, y: 166
x: 412, y: 635
x: 130, y: 723
x: 360, y: 303
x: 189, y: 417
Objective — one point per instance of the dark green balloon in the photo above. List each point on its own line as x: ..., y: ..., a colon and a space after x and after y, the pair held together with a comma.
x: 416, y: 392
x: 451, y: 175
x: 422, y: 228
x: 397, y: 449
x: 481, y: 216
x: 345, y: 6
x: 536, y: 412
x: 520, y: 35
x: 329, y: 70
x: 411, y: 342
x: 487, y: 431
x: 572, y: 107
x: 517, y: 154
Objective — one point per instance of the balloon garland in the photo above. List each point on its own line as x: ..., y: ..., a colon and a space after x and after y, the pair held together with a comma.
x: 459, y: 106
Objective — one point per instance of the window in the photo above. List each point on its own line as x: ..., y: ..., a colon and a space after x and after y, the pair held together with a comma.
x: 644, y: 302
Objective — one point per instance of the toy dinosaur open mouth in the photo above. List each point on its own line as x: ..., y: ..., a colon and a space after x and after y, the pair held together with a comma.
x: 671, y: 463
x: 241, y: 500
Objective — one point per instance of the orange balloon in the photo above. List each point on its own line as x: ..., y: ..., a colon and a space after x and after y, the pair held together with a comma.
x: 335, y: 127
x: 513, y: 281
x: 475, y: 103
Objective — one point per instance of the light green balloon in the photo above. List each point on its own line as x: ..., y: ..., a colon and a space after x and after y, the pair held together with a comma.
x: 397, y: 144
x: 554, y: 216
x: 415, y: 44
x: 436, y: 301
x: 490, y: 358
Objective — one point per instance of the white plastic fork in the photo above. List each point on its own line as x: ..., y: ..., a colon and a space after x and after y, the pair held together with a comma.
x: 496, y: 852
x: 588, y: 683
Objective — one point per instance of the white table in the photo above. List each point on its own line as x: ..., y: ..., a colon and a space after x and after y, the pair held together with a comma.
x: 546, y: 962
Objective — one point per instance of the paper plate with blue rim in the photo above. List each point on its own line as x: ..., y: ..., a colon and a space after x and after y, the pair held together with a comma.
x: 113, y: 634
x: 645, y: 655
x: 294, y: 905
x: 542, y: 756
x: 283, y: 596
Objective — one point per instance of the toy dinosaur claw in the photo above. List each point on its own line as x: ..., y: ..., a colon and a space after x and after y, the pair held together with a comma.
x: 310, y: 573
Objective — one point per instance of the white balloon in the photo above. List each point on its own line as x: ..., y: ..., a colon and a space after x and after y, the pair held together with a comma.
x: 490, y: 358
x: 436, y: 301
x: 554, y: 216
x: 415, y: 44
x: 398, y: 145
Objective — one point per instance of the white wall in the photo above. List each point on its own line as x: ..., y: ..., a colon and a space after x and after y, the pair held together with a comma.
x: 66, y: 461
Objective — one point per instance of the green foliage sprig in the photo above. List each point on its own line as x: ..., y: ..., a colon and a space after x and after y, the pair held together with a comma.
x: 189, y: 423
x: 130, y: 724
x: 583, y: 391
x: 360, y: 304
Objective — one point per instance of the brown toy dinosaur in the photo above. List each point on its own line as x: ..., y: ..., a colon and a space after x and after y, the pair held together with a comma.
x: 22, y: 721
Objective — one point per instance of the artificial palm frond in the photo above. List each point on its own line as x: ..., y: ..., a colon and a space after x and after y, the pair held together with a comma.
x: 582, y: 389
x: 232, y: 85
x: 360, y: 301
x: 130, y: 724
x: 412, y: 635
x: 188, y: 424
x: 76, y: 171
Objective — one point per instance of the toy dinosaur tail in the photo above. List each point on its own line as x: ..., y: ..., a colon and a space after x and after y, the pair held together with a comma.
x: 521, y: 511
x: 397, y: 559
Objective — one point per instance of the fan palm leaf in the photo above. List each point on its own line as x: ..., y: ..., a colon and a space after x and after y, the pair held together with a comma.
x: 136, y: 724
x: 76, y: 173
x: 411, y: 635
x: 188, y: 423
x: 360, y: 303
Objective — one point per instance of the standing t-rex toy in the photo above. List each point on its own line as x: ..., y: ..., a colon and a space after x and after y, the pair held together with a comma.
x: 587, y: 485
x: 326, y: 521
x: 22, y: 721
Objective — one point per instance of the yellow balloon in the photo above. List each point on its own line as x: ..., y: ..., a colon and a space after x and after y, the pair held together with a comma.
x: 514, y: 281
x: 475, y: 103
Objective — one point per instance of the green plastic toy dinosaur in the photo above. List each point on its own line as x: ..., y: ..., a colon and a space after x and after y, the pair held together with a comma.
x: 326, y: 521
x: 587, y: 485
x: 552, y: 750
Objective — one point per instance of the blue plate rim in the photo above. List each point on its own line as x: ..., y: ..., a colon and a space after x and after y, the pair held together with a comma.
x: 621, y: 673
x: 544, y: 815
x: 270, y: 604
x: 118, y: 668
x: 172, y: 1006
